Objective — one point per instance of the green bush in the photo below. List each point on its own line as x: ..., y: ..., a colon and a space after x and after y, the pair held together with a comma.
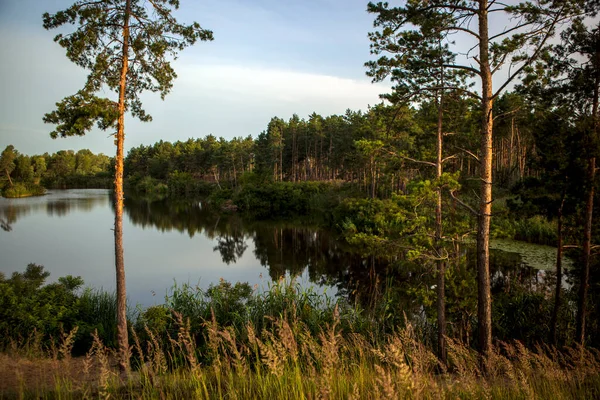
x: 151, y: 187
x: 183, y: 184
x: 23, y: 190
x: 537, y: 229
x: 279, y: 199
x: 26, y: 304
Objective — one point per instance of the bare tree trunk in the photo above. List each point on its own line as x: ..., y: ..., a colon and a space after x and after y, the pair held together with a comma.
x: 281, y: 157
x: 122, y: 333
x: 234, y: 171
x: 559, y: 251
x: 8, y: 176
x: 585, y: 270
x: 589, y: 211
x: 484, y: 303
x: 441, y: 266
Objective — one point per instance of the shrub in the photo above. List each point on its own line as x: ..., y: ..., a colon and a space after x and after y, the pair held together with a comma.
x: 23, y: 190
x: 26, y: 304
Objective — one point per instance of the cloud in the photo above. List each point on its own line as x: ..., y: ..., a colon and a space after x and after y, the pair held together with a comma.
x: 278, y: 85
x: 213, y: 95
x: 232, y: 100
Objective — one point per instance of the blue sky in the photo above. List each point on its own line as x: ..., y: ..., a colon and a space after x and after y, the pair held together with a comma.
x: 269, y: 58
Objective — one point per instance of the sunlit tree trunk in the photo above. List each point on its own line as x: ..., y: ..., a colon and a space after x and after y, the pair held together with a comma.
x: 441, y: 265
x: 484, y: 304
x: 122, y: 334
x: 589, y: 210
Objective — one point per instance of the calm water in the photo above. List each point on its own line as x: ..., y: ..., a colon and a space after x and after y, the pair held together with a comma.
x: 70, y: 232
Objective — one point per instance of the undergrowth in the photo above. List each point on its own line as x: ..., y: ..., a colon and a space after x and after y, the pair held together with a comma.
x: 287, y: 361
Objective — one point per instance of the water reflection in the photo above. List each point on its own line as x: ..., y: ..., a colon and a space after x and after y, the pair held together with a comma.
x: 212, y: 245
x: 283, y: 249
x: 56, y: 203
x: 286, y: 249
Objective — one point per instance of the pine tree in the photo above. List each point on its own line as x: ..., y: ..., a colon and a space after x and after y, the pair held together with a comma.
x: 127, y: 46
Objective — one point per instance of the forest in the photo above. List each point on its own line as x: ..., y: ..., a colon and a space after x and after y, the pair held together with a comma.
x: 464, y: 149
x: 25, y: 175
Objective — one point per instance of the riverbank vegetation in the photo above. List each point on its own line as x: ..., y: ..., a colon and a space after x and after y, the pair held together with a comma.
x: 235, y: 341
x: 24, y: 175
x: 435, y: 167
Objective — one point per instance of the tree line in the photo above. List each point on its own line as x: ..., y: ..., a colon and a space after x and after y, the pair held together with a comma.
x: 375, y: 149
x: 24, y: 174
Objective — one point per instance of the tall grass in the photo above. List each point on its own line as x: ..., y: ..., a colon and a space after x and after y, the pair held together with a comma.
x: 287, y: 361
x: 286, y: 342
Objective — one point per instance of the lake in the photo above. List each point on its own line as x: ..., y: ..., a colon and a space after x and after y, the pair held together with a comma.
x: 70, y: 233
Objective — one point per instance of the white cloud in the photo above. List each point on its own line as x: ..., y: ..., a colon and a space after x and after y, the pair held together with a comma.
x: 280, y: 85
x: 231, y: 100
x: 211, y: 96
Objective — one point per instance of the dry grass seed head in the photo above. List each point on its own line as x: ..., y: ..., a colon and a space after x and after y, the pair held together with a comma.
x: 273, y: 353
x: 524, y: 357
x: 464, y: 360
x: 158, y: 361
x: 228, y: 336
x: 329, y: 346
x: 287, y: 338
x: 102, y: 356
x: 394, y: 355
x: 355, y: 395
x: 385, y: 382
x: 214, y: 339
x: 184, y: 336
x: 138, y: 347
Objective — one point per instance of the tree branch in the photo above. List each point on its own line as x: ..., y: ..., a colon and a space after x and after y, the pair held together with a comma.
x: 539, y: 48
x: 514, y: 28
x: 468, y: 152
x: 417, y: 161
x: 459, y: 28
x: 449, y: 158
x: 465, y: 205
x: 463, y: 67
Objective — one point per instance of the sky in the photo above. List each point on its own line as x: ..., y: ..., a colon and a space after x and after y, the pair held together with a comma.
x: 269, y: 58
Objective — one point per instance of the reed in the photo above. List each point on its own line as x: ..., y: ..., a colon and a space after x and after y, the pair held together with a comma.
x: 288, y: 361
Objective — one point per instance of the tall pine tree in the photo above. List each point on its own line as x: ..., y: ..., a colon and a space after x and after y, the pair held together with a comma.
x: 127, y: 46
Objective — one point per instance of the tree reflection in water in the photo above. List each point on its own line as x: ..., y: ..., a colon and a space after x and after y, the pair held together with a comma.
x: 404, y: 287
x: 56, y: 203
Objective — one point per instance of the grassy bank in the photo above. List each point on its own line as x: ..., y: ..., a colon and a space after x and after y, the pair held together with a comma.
x: 232, y: 341
x: 290, y: 362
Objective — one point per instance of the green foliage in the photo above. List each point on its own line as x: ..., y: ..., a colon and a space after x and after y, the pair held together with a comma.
x: 183, y: 184
x: 61, y: 170
x: 522, y: 316
x: 89, y: 109
x: 536, y: 229
x: 98, y: 45
x: 26, y: 304
x: 402, y: 223
x: 225, y: 301
x: 279, y: 199
x: 150, y: 187
x: 7, y: 162
x: 23, y: 190
x: 288, y: 300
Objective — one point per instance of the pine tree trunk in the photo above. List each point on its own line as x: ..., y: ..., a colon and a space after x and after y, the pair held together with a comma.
x: 484, y: 303
x: 559, y: 251
x: 589, y: 210
x: 122, y: 334
x: 8, y: 176
x: 441, y: 266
